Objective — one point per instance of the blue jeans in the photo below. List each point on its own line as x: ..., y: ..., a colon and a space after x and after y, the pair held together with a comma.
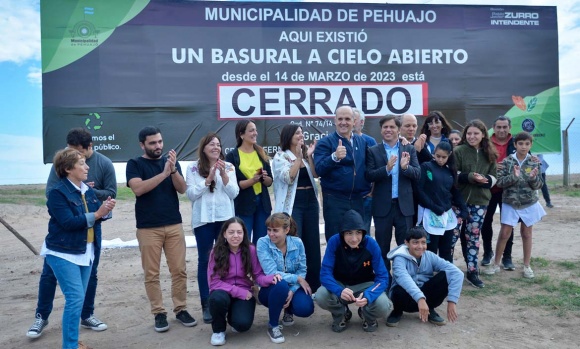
x: 274, y: 297
x: 205, y: 236
x: 47, y: 289
x: 305, y: 213
x: 73, y: 280
x: 256, y: 223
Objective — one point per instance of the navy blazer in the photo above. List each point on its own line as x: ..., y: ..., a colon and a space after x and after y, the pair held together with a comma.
x: 67, y: 227
x: 376, y: 162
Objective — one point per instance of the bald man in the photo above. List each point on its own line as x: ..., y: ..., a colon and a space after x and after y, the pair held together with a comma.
x: 339, y: 159
x: 408, y: 131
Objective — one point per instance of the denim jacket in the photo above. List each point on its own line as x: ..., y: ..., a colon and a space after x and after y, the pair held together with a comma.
x: 273, y: 261
x: 68, y: 224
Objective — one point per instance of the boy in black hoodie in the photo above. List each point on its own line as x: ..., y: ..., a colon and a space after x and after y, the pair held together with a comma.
x: 353, y: 271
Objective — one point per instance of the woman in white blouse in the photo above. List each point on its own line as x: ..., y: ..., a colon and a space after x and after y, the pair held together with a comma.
x: 296, y: 194
x: 211, y: 187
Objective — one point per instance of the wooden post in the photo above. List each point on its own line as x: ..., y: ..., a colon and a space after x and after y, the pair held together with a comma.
x: 20, y: 237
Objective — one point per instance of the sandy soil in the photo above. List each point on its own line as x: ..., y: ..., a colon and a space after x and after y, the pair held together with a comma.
x: 487, y: 319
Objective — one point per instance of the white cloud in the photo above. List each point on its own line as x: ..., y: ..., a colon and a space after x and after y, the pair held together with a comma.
x: 35, y: 76
x: 570, y: 92
x: 19, y: 30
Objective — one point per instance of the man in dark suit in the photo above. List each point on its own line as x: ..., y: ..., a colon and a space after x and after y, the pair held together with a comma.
x: 392, y: 167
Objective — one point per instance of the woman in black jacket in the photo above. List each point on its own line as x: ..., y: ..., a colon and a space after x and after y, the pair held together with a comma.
x: 253, y: 174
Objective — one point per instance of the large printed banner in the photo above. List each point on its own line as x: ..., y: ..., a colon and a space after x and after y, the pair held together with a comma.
x: 191, y: 67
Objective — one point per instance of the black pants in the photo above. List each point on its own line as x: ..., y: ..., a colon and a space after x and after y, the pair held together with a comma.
x: 384, y: 229
x: 435, y: 291
x: 334, y: 208
x: 442, y: 244
x: 239, y: 312
x: 305, y: 213
x: 545, y: 190
x: 487, y: 230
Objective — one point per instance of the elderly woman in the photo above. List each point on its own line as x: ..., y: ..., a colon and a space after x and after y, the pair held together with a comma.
x: 69, y: 248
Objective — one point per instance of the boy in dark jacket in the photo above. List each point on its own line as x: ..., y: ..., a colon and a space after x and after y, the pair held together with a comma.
x: 353, y: 271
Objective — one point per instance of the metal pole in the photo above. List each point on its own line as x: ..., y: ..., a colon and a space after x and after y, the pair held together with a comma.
x: 566, y: 153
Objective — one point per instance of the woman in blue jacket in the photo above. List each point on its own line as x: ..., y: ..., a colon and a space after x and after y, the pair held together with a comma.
x: 69, y: 248
x: 282, y: 253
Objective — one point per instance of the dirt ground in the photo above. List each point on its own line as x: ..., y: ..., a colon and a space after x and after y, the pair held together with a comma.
x: 487, y: 319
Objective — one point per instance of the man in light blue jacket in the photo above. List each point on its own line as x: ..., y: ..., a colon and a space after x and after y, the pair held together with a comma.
x: 415, y: 289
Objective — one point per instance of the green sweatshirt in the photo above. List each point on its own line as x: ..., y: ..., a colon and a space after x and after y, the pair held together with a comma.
x: 470, y: 161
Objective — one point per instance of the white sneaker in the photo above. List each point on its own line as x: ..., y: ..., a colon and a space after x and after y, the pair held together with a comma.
x: 218, y: 338
x: 491, y: 269
x: 528, y: 272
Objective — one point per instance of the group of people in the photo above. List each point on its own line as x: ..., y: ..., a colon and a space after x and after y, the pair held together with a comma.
x: 432, y: 189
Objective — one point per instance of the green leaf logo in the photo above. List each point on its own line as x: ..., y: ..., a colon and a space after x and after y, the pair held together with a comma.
x: 532, y: 103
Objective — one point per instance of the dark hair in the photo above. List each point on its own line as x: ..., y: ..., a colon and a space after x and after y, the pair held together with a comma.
x: 79, y: 136
x: 240, y: 130
x: 221, y: 250
x: 486, y: 146
x: 502, y: 118
x: 416, y: 233
x: 435, y: 115
x: 455, y: 131
x: 523, y: 136
x: 282, y: 219
x: 286, y: 136
x: 448, y: 148
x: 389, y: 118
x: 64, y: 160
x: 147, y: 131
x: 203, y: 165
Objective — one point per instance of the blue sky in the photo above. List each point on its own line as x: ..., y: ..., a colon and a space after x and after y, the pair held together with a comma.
x: 21, y: 85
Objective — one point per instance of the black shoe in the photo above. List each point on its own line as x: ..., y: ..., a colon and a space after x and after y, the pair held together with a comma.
x: 347, y: 314
x: 549, y: 205
x: 487, y: 256
x: 473, y: 279
x: 207, y: 319
x: 435, y: 319
x: 368, y: 325
x: 35, y: 330
x: 161, y: 324
x: 507, y: 263
x: 393, y: 319
x: 186, y: 319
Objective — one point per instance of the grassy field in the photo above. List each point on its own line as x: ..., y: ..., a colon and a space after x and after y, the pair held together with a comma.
x: 553, y: 291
